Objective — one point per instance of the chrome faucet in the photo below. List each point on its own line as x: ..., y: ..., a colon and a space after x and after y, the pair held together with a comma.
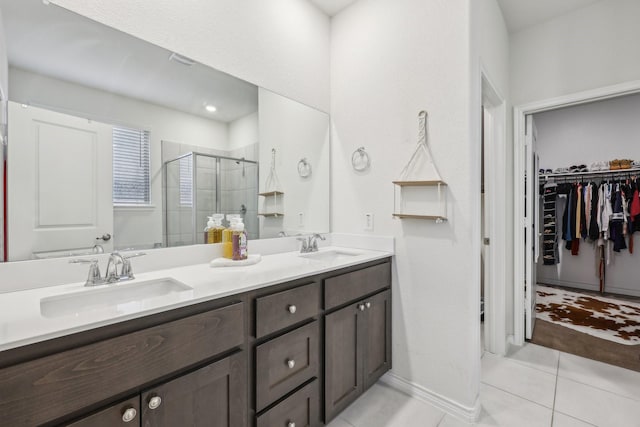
x: 111, y: 275
x: 310, y: 243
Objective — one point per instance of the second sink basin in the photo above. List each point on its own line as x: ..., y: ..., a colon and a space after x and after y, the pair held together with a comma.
x: 123, y: 297
x: 331, y: 255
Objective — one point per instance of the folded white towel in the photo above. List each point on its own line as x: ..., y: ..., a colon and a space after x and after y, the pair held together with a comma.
x: 226, y: 262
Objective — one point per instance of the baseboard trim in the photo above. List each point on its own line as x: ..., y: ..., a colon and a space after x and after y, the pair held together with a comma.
x: 464, y: 413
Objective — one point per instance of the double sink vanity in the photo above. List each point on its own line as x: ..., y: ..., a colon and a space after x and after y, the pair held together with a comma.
x: 288, y: 342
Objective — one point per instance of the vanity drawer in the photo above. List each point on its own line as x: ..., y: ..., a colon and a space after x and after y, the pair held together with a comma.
x: 347, y: 287
x: 300, y: 409
x: 277, y: 311
x: 286, y: 362
x: 51, y: 387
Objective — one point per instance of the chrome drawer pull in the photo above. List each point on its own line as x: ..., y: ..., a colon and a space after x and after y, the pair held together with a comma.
x: 129, y: 415
x: 291, y: 363
x: 368, y: 305
x: 361, y: 307
x: 154, y: 402
x: 291, y: 424
x: 292, y: 309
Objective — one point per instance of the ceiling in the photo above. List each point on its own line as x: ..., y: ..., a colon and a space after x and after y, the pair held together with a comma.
x: 52, y: 41
x: 332, y: 7
x: 520, y: 14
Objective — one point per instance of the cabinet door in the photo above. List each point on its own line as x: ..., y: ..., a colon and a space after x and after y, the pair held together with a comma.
x: 124, y: 414
x: 343, y: 370
x: 376, y: 357
x: 213, y: 396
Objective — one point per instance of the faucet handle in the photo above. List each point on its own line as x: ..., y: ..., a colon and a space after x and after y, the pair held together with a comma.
x: 127, y: 270
x: 94, y: 278
x: 305, y: 243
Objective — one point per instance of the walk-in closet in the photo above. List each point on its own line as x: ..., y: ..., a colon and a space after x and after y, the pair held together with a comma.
x: 587, y: 260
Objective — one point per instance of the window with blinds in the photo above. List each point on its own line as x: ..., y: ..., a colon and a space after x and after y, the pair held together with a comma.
x: 186, y: 181
x: 131, y: 167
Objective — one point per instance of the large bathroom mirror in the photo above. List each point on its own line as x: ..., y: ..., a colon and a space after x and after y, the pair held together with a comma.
x: 115, y: 143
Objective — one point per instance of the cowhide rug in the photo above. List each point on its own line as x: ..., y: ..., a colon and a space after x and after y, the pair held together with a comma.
x: 607, y: 318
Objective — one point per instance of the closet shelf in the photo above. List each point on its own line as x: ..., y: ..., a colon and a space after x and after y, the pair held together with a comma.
x: 271, y: 193
x: 615, y: 172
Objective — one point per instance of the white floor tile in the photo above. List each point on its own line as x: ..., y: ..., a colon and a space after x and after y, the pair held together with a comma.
x: 562, y: 420
x: 535, y: 356
x: 595, y: 406
x: 382, y: 406
x: 601, y: 375
x: 528, y: 383
x: 339, y: 422
x: 500, y: 408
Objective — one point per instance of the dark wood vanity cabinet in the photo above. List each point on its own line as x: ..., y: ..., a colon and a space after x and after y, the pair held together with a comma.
x: 56, y: 388
x: 294, y: 354
x: 357, y: 341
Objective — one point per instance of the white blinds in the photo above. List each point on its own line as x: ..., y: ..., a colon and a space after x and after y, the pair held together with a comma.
x: 131, y: 166
x: 186, y: 181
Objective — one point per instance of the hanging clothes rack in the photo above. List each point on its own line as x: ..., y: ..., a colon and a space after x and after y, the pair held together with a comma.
x: 569, y: 177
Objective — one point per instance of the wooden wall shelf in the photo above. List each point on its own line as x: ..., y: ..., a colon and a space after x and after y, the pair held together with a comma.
x: 271, y: 193
x: 271, y: 214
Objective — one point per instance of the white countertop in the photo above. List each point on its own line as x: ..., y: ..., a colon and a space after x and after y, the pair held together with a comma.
x: 22, y: 321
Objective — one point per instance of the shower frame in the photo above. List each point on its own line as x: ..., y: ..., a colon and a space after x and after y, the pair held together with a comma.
x: 194, y: 185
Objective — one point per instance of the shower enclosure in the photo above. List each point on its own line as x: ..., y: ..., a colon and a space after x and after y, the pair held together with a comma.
x: 198, y: 185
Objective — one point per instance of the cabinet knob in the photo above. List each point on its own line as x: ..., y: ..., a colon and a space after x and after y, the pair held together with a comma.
x: 291, y: 363
x: 154, y: 402
x: 361, y: 307
x: 368, y: 305
x: 129, y: 415
x: 292, y: 309
x: 291, y: 424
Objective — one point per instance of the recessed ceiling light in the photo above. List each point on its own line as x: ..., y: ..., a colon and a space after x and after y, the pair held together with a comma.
x: 181, y: 59
x: 210, y: 108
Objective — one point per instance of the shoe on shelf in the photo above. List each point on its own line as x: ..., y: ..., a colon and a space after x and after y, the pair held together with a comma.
x: 614, y: 165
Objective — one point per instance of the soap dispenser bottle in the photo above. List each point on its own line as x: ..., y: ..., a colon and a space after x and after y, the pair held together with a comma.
x: 239, y: 241
x: 208, y: 229
x: 215, y: 233
x: 227, y: 245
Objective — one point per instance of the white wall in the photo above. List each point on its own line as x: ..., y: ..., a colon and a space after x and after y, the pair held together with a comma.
x: 390, y: 59
x: 132, y: 226
x: 592, y: 47
x: 282, y: 45
x: 243, y: 132
x: 581, y: 135
x: 296, y: 131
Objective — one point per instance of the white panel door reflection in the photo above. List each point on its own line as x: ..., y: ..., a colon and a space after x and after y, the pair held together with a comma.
x: 60, y: 195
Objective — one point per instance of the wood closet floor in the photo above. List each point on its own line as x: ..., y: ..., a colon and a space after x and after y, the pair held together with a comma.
x: 570, y: 341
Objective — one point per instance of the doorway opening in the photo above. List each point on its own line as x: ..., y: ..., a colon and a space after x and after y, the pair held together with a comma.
x: 562, y: 267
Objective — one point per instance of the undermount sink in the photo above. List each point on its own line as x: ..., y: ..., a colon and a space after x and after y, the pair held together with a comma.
x: 119, y: 298
x: 331, y: 255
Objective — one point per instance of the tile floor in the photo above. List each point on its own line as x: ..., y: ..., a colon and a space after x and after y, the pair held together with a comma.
x: 531, y: 386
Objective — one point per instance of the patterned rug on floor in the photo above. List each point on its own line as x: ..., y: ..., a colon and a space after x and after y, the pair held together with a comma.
x: 607, y: 318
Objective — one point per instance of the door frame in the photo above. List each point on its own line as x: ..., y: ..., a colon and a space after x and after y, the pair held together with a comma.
x: 495, y: 325
x: 519, y: 123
